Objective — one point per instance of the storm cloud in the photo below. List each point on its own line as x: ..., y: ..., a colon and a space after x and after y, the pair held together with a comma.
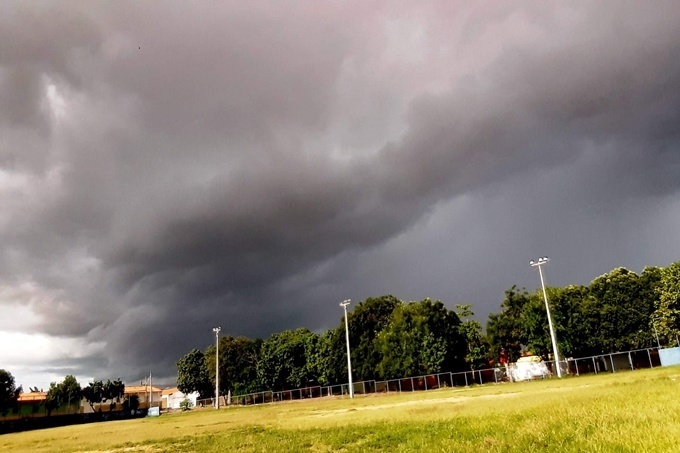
x: 168, y: 167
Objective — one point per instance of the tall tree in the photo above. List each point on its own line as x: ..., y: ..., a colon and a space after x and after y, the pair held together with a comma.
x: 366, y: 321
x: 422, y: 338
x: 9, y: 392
x: 667, y: 314
x: 505, y: 330
x: 624, y: 310
x: 238, y: 364
x: 99, y: 392
x: 287, y: 360
x: 471, y: 330
x: 94, y: 393
x: 193, y: 374
x: 330, y: 360
x: 66, y: 392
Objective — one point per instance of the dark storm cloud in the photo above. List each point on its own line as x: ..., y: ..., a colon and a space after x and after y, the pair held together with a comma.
x: 175, y: 167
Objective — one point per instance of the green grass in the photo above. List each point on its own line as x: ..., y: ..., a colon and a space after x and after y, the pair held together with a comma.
x: 622, y: 412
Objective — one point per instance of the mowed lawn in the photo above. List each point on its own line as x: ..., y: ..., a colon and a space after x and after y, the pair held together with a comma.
x: 629, y: 411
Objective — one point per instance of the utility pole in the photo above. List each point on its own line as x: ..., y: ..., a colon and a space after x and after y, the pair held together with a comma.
x: 344, y: 305
x: 541, y: 261
x: 217, y: 366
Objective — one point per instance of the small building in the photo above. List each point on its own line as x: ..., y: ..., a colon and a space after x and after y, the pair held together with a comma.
x: 172, y: 398
x: 149, y: 396
x: 31, y: 404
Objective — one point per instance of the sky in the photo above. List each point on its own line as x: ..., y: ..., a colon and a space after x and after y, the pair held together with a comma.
x: 167, y: 167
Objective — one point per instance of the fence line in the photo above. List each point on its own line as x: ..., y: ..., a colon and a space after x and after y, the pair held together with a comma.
x: 612, y: 363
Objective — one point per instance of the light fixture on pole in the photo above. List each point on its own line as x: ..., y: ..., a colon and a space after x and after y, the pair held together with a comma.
x: 217, y: 331
x: 344, y: 305
x: 540, y: 262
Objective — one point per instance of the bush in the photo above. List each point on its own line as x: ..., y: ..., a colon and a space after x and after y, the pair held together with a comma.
x: 186, y: 404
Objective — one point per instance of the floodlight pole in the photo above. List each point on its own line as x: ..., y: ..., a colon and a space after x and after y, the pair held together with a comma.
x: 217, y: 366
x: 553, y: 338
x: 344, y: 305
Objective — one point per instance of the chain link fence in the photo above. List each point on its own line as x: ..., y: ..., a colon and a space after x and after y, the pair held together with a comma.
x: 604, y: 363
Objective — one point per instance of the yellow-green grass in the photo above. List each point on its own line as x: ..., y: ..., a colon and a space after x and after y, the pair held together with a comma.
x: 631, y: 411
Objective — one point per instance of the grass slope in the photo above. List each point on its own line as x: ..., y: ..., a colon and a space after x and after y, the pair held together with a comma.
x: 622, y: 412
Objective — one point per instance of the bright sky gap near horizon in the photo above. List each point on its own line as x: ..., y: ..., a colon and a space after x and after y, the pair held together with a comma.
x: 166, y: 167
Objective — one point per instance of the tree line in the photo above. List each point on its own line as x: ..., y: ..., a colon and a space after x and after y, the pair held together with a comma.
x: 66, y: 393
x: 389, y: 338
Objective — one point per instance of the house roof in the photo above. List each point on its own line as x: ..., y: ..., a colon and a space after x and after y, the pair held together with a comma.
x: 32, y: 396
x: 170, y: 391
x: 141, y: 389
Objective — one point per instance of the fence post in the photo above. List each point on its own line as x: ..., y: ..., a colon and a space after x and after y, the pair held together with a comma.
x: 594, y: 365
x: 399, y: 382
x: 439, y: 383
x: 611, y: 359
x: 466, y: 381
x: 630, y: 360
x: 650, y: 359
x: 425, y: 381
x: 413, y: 389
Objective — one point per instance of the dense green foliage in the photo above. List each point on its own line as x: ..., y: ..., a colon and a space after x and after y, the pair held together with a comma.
x: 388, y: 339
x: 667, y: 315
x: 98, y: 392
x: 66, y: 392
x: 391, y: 339
x: 193, y: 374
x: 8, y: 392
x: 613, y: 313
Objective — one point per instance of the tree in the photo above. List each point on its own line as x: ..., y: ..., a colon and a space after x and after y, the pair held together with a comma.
x: 624, y: 311
x: 287, y: 360
x: 131, y: 403
x: 66, y: 392
x: 471, y: 330
x: 366, y: 321
x: 422, y: 338
x: 94, y: 393
x: 238, y: 364
x: 193, y: 375
x: 330, y: 360
x: 99, y: 392
x: 504, y: 329
x: 114, y: 392
x: 667, y: 314
x: 9, y: 393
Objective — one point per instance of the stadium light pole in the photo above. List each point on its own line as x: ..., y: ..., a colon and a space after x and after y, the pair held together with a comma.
x: 344, y: 305
x: 217, y: 331
x: 538, y: 263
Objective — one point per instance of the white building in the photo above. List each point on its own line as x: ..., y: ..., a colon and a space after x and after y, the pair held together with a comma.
x: 172, y: 397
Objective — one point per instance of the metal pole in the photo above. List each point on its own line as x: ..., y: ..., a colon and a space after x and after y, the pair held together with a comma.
x: 344, y: 305
x: 217, y: 366
x: 657, y: 335
x: 539, y: 264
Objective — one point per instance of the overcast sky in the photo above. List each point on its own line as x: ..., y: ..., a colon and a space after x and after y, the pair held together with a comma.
x: 166, y: 167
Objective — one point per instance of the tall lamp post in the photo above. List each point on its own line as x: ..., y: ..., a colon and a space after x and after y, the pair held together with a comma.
x: 538, y: 263
x: 344, y: 305
x: 217, y: 331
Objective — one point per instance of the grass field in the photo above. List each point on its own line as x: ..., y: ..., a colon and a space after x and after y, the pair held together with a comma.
x: 623, y: 412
